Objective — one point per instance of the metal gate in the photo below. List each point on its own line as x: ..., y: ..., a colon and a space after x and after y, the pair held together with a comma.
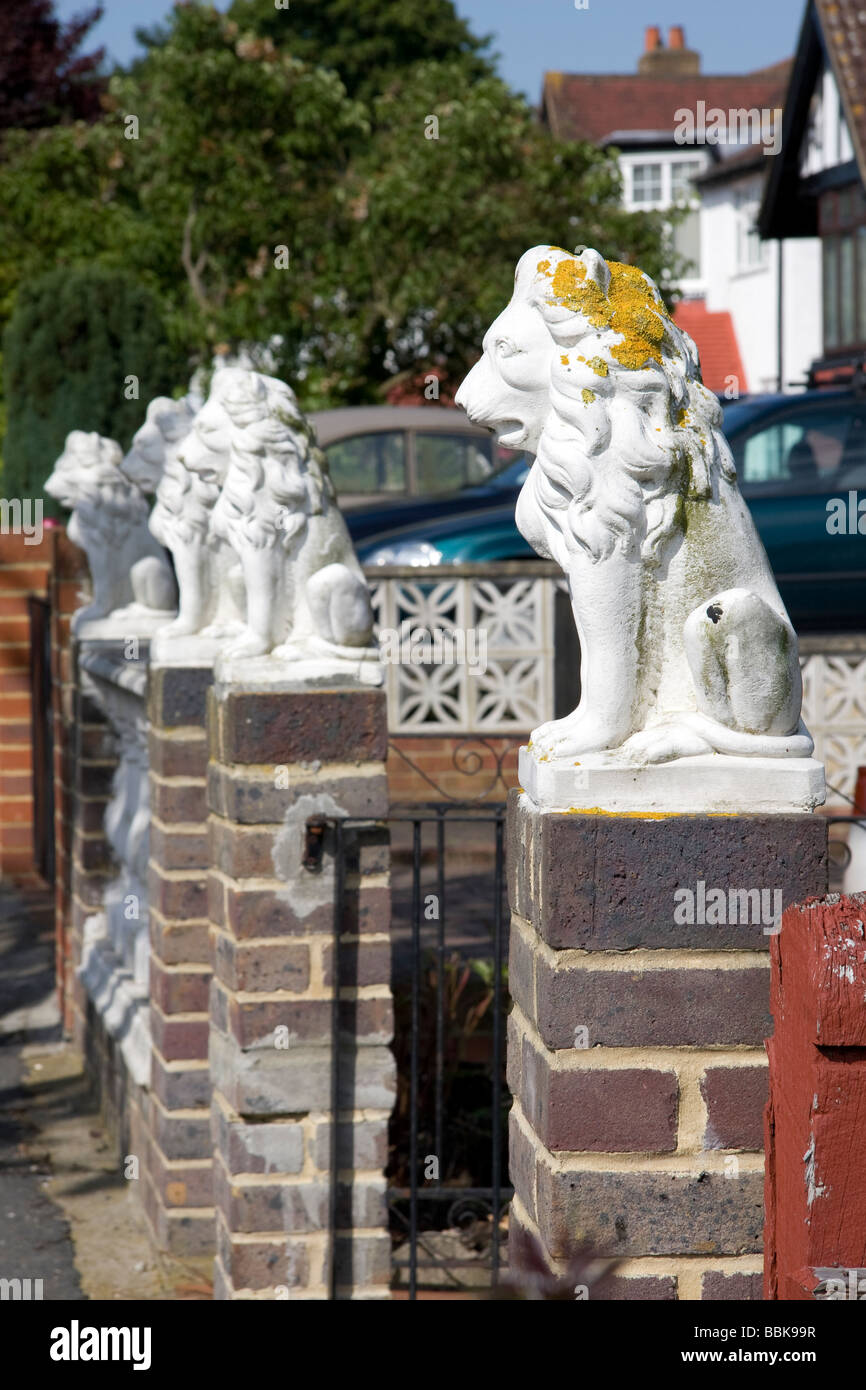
x: 447, y: 1172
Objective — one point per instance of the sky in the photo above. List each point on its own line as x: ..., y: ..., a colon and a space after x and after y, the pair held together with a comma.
x: 533, y: 36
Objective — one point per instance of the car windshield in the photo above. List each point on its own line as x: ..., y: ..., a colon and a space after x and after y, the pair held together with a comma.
x: 738, y: 414
x: 446, y: 462
x: 510, y: 468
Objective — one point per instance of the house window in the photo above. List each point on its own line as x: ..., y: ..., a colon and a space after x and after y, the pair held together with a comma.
x: 683, y: 175
x: 687, y: 241
x: 646, y: 183
x: 751, y: 250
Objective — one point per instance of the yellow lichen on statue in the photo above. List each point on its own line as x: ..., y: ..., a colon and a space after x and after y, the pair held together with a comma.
x: 630, y: 308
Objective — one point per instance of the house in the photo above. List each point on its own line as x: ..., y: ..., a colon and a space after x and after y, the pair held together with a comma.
x: 815, y: 189
x: 705, y: 142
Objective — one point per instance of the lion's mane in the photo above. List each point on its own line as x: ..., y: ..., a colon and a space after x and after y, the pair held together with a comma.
x: 107, y: 505
x: 618, y: 458
x: 277, y: 477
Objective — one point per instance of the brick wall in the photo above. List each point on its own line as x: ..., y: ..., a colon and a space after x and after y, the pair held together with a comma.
x: 433, y: 767
x: 179, y: 1165
x: 25, y: 569
x: 272, y: 1004
x: 636, y: 1042
x: 55, y: 570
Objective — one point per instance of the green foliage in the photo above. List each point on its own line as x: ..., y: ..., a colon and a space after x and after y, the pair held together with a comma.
x: 74, y: 339
x: 368, y: 42
x: 307, y: 129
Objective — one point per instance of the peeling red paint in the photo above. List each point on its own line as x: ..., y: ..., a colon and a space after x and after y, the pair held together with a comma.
x: 815, y: 1121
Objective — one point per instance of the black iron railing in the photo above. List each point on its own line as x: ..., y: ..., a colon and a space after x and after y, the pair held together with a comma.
x: 447, y: 1162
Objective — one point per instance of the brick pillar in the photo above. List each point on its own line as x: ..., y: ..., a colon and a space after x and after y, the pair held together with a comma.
x: 24, y: 570
x: 176, y: 1126
x: 277, y: 759
x: 816, y: 1190
x: 635, y: 1049
x: 89, y: 758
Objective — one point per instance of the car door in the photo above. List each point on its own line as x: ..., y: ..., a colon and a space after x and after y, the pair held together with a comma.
x: 795, y: 469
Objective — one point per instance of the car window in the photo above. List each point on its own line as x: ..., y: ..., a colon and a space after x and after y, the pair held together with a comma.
x: 446, y: 462
x: 805, y: 450
x: 369, y: 463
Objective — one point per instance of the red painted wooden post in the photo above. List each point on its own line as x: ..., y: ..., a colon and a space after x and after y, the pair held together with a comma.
x: 815, y: 1122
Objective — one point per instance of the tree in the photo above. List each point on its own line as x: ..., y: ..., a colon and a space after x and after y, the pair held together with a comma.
x: 458, y: 180
x: 85, y: 349
x: 43, y: 79
x: 368, y: 42
x: 357, y: 240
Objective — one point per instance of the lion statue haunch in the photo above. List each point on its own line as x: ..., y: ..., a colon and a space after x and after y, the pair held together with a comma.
x: 303, y: 589
x: 131, y: 575
x: 686, y: 647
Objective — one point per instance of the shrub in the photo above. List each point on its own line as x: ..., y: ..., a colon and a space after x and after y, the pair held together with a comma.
x: 85, y: 349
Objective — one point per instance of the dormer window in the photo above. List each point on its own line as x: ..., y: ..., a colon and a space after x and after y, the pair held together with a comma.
x: 646, y: 184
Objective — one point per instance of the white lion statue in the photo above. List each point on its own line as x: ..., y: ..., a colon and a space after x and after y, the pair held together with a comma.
x: 209, y: 579
x: 129, y: 569
x: 304, y: 591
x: 686, y: 645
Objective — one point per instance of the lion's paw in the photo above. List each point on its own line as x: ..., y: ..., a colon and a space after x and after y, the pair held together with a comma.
x: 179, y: 627
x: 563, y: 738
x: 663, y: 744
x: 247, y: 645
x: 288, y: 651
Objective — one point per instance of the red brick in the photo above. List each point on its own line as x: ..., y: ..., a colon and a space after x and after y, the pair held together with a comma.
x: 259, y: 912
x: 178, y: 757
x: 178, y: 990
x: 735, y: 1098
x: 180, y: 1184
x: 736, y: 1287
x: 178, y: 801
x: 361, y: 963
x: 270, y: 1206
x: 179, y: 1039
x: 241, y: 853
x: 177, y: 848
x: 262, y: 965
x: 686, y: 1007
x: 279, y: 1262
x: 181, y: 896
x: 179, y: 943
x: 254, y: 1022
x: 622, y: 1111
x: 292, y: 727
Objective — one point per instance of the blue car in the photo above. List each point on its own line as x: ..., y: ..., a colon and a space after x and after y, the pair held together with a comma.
x: 801, y: 463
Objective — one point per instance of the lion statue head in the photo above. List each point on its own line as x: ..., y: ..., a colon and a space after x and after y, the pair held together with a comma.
x: 156, y: 443
x: 586, y: 369
x: 273, y: 475
x: 87, y: 479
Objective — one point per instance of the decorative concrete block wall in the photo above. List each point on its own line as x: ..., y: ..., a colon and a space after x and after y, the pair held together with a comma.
x: 285, y: 1227
x: 636, y: 1041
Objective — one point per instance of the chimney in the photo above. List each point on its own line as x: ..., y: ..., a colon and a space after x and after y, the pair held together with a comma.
x: 674, y: 61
